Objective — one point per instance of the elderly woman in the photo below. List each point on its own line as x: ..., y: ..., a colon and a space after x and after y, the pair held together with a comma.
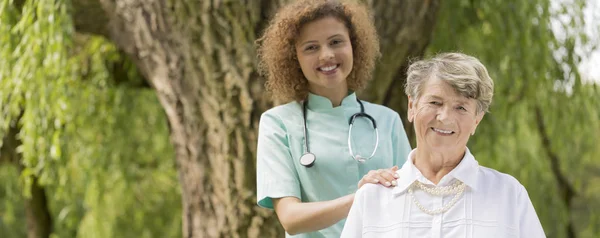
x: 442, y: 190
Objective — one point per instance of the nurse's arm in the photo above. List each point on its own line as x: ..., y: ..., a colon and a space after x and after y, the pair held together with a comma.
x: 298, y: 217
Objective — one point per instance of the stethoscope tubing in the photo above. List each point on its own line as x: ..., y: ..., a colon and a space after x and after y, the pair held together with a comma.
x: 308, y: 159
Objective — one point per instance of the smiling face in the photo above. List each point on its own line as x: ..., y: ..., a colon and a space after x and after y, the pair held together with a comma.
x: 324, y: 53
x: 443, y: 119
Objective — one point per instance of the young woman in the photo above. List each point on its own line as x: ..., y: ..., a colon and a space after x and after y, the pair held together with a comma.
x: 315, y: 151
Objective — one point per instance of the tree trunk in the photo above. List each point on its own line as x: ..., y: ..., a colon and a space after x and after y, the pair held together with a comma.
x: 405, y: 29
x: 200, y: 58
x: 565, y: 188
x: 39, y: 222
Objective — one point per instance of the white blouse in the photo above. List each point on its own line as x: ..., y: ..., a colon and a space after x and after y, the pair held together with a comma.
x: 493, y: 204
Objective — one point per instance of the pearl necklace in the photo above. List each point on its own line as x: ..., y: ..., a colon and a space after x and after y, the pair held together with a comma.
x: 457, y: 189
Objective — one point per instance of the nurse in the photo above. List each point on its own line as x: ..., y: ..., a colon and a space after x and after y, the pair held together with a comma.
x: 316, y: 150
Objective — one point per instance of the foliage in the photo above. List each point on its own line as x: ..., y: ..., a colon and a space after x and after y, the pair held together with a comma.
x: 101, y: 150
x: 533, y: 69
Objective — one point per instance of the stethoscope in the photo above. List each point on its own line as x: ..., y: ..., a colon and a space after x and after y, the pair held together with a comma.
x: 308, y: 159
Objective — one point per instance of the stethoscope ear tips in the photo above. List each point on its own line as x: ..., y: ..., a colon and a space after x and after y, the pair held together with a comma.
x: 308, y: 160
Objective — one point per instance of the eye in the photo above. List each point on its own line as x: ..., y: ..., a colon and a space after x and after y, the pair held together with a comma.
x: 461, y: 108
x: 435, y: 103
x: 336, y: 42
x: 310, y: 48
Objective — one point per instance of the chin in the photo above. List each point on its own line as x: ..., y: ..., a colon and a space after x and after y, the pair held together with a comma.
x: 334, y: 83
x: 442, y: 148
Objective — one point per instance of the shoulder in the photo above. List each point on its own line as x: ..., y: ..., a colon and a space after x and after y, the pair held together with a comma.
x: 284, y: 110
x: 491, y: 178
x: 373, y: 193
x: 504, y: 189
x: 379, y: 109
x: 374, y: 200
x: 385, y: 116
x: 279, y: 114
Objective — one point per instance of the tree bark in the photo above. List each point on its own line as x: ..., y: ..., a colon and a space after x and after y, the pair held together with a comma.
x: 405, y: 29
x: 200, y: 58
x: 39, y: 221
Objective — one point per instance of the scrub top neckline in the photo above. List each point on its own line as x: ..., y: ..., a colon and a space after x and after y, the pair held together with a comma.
x: 320, y: 103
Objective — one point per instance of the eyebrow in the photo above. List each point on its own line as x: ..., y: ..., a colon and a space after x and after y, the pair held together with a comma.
x: 460, y: 101
x: 433, y: 97
x: 313, y: 41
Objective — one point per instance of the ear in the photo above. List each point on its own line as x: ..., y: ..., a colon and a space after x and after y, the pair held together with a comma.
x: 478, y: 119
x: 411, y: 109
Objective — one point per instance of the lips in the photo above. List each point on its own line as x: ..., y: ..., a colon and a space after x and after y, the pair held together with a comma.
x: 328, y: 69
x: 442, y: 131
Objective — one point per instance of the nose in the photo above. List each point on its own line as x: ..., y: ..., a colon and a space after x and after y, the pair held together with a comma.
x: 326, y: 54
x: 444, y: 114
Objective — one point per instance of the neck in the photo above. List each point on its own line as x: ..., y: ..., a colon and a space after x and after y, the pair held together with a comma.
x: 335, y: 95
x: 435, y: 165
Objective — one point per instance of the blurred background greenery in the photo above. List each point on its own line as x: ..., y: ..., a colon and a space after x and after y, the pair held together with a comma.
x: 92, y: 136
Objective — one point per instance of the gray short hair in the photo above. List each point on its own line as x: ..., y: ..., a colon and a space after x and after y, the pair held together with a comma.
x: 466, y: 74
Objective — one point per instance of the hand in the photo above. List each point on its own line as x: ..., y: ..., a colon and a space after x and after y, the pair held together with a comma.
x: 385, y: 177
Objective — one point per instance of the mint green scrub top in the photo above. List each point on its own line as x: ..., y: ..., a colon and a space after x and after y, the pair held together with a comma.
x: 335, y: 173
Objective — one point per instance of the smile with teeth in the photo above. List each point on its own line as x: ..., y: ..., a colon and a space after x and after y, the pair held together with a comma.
x: 442, y: 131
x: 328, y: 68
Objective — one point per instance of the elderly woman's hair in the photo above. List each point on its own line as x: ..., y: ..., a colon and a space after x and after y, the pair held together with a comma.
x: 464, y: 73
x: 277, y: 54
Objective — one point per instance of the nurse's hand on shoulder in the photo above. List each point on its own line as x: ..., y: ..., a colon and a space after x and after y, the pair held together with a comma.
x: 385, y: 177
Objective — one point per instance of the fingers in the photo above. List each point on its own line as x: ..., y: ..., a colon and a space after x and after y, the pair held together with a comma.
x: 385, y: 177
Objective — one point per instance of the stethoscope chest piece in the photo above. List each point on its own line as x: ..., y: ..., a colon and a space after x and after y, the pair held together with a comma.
x: 359, y: 158
x: 308, y: 159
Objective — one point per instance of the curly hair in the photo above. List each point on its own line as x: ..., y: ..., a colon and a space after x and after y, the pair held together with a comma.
x: 277, y: 58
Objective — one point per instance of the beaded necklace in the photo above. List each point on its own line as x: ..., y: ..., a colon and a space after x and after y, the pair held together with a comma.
x: 457, y: 189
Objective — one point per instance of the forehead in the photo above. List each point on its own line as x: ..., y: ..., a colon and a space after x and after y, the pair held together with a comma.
x: 322, y: 28
x: 438, y: 88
